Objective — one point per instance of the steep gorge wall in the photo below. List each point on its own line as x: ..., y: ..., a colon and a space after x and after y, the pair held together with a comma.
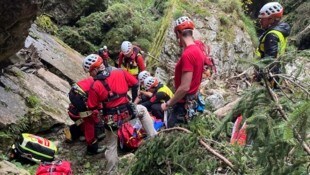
x: 15, y: 19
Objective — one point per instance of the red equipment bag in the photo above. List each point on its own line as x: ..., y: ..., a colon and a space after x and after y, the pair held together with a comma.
x: 130, y: 137
x: 54, y: 168
x: 239, y: 135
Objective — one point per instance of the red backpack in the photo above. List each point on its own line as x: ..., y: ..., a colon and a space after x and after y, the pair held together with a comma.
x: 130, y: 137
x: 54, y: 168
x: 209, y: 62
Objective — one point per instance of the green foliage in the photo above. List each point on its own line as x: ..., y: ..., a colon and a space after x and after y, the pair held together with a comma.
x: 275, y: 142
x: 32, y: 101
x: 177, y: 152
x: 75, y: 40
x: 123, y: 20
x: 44, y: 22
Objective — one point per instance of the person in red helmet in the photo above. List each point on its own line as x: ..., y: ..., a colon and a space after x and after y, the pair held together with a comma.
x: 273, y: 41
x: 85, y: 119
x: 110, y: 90
x: 188, y: 73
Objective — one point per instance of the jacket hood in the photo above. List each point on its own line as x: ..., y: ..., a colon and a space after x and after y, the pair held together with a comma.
x: 284, y: 28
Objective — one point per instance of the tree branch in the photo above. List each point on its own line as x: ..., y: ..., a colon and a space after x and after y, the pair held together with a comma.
x: 220, y: 156
x: 205, y: 145
x: 283, y: 114
x: 289, y: 79
x: 175, y: 129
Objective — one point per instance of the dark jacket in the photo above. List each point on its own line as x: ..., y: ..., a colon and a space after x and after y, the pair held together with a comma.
x: 271, y: 40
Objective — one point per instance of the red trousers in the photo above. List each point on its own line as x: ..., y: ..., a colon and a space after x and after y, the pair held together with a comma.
x: 88, y: 128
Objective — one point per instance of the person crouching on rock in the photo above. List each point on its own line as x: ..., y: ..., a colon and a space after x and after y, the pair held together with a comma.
x: 143, y: 95
x: 160, y: 94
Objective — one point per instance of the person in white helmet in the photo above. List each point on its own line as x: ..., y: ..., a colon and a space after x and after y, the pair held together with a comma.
x: 272, y: 43
x: 110, y: 90
x: 160, y: 93
x: 143, y: 95
x: 131, y: 60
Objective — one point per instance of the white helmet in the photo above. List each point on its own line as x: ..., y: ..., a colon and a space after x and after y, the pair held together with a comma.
x: 150, y: 82
x: 92, y: 61
x: 271, y: 9
x: 126, y: 47
x: 143, y: 75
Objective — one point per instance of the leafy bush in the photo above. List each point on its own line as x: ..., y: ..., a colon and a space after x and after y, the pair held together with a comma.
x: 76, y: 41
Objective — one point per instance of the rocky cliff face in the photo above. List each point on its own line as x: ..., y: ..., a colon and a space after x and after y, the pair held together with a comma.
x: 34, y: 89
x: 227, y: 43
x: 15, y: 19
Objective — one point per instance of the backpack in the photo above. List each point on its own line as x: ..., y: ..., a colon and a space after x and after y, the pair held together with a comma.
x: 130, y: 137
x: 32, y: 148
x: 54, y: 168
x: 208, y: 60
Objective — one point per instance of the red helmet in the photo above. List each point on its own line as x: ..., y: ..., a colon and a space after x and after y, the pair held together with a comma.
x: 183, y: 23
x: 91, y: 62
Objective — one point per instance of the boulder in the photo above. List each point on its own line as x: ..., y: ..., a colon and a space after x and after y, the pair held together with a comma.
x: 56, y: 55
x: 12, y: 106
x: 11, y: 169
x: 214, y: 102
x: 46, y: 105
x: 33, y: 94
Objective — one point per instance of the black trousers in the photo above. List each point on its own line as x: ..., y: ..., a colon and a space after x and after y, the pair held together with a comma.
x: 176, y: 114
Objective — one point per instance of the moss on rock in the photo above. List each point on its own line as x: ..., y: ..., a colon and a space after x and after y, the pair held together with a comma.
x: 44, y: 22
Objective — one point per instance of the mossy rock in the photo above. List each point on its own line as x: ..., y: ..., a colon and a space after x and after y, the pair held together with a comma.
x: 45, y: 23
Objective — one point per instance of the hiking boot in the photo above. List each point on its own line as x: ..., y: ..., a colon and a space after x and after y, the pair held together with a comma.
x: 99, y: 150
x: 95, y: 148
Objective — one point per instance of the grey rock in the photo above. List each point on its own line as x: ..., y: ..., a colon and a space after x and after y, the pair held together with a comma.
x: 57, y: 54
x: 215, y: 101
x: 12, y: 107
x: 9, y: 168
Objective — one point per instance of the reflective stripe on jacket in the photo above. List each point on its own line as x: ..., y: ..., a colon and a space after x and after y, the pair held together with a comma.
x: 281, y: 43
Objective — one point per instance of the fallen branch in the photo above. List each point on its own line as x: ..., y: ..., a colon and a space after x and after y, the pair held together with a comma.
x: 220, y: 156
x: 295, y: 83
x: 239, y: 75
x: 205, y: 145
x: 175, y: 129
